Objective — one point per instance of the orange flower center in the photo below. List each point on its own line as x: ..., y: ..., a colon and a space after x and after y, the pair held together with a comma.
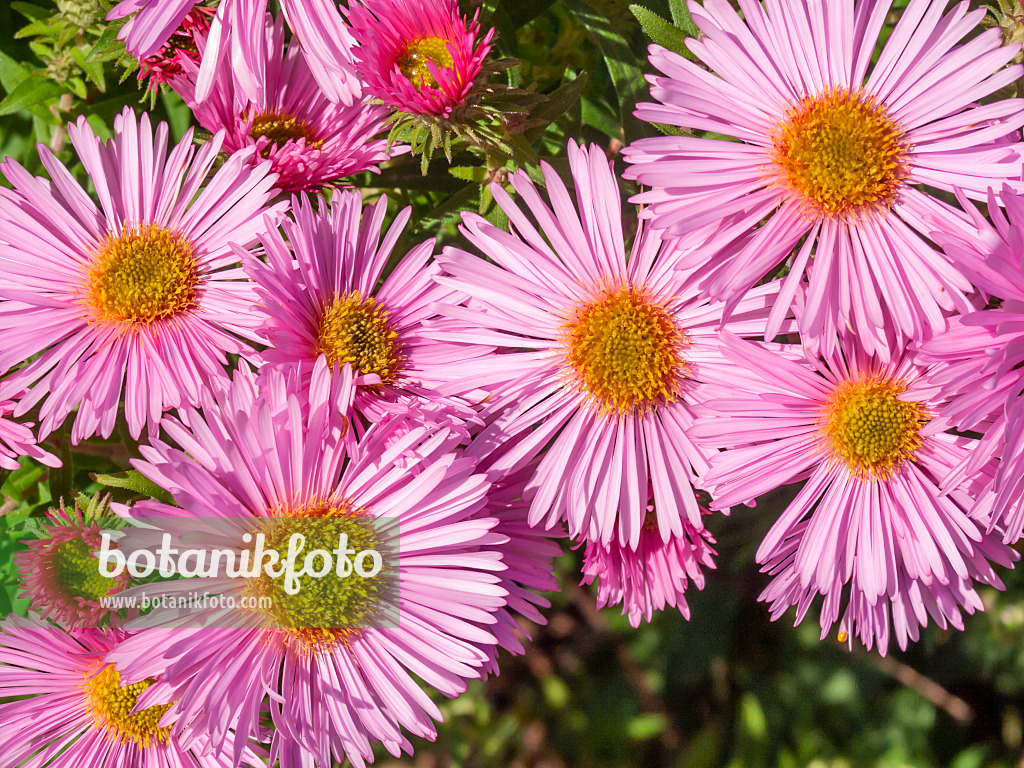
x: 625, y: 351
x: 870, y: 429
x: 143, y: 274
x: 280, y: 127
x: 841, y: 153
x: 111, y: 705
x: 358, y: 330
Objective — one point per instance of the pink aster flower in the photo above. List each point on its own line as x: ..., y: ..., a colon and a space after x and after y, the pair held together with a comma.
x: 17, y: 439
x: 980, y: 360
x: 60, y: 572
x: 870, y: 529
x: 322, y: 296
x: 309, y: 140
x: 826, y: 145
x: 137, y: 298
x: 600, y: 356
x: 334, y: 690
x: 74, y: 711
x: 419, y: 56
x: 654, y: 574
x: 236, y: 34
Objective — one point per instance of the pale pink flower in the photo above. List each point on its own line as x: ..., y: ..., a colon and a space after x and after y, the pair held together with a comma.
x: 829, y: 154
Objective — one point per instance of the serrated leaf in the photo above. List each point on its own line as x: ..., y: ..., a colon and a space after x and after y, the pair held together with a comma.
x: 469, y: 173
x: 661, y: 32
x: 135, y: 481
x: 682, y: 19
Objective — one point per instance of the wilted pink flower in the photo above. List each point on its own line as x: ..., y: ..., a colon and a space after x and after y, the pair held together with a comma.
x: 137, y: 298
x: 870, y: 529
x: 419, y: 56
x: 309, y: 140
x: 236, y: 34
x: 832, y: 152
x: 182, y: 46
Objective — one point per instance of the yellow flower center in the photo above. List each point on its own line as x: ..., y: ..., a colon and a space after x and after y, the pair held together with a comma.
x: 327, y: 609
x: 142, y: 275
x: 77, y: 571
x: 841, y: 153
x: 870, y: 429
x: 280, y: 127
x: 357, y: 331
x: 624, y: 350
x: 111, y: 704
x: 413, y: 63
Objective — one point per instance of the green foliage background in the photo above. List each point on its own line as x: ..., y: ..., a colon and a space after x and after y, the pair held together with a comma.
x: 728, y: 687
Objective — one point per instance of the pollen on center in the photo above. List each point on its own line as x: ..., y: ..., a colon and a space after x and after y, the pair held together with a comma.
x: 870, y: 429
x: 141, y: 275
x: 625, y: 351
x: 841, y: 153
x: 413, y: 63
x: 358, y: 330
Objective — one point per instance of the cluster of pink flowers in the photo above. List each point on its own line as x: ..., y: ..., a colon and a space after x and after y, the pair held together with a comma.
x: 811, y: 295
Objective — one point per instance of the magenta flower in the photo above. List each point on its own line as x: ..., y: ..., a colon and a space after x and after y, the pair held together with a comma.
x: 654, y: 574
x: 600, y: 356
x: 309, y: 141
x: 870, y: 529
x: 980, y: 360
x: 419, y: 56
x: 283, y: 452
x: 236, y: 34
x: 826, y: 146
x: 137, y: 298
x: 75, y: 712
x: 182, y: 46
x: 60, y: 574
x: 17, y: 439
x: 321, y: 295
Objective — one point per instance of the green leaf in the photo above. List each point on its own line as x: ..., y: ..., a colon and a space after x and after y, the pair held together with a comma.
x: 136, y: 482
x: 559, y: 101
x: 31, y: 11
x: 622, y: 64
x: 469, y: 173
x: 29, y: 92
x: 11, y: 72
x: 107, y: 47
x: 661, y: 32
x: 682, y: 19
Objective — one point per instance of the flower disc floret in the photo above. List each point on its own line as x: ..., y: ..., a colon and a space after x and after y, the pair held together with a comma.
x: 870, y: 429
x: 279, y: 127
x: 112, y: 703
x: 328, y: 608
x: 143, y: 274
x: 357, y: 330
x: 841, y: 152
x: 624, y: 350
x: 414, y: 63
